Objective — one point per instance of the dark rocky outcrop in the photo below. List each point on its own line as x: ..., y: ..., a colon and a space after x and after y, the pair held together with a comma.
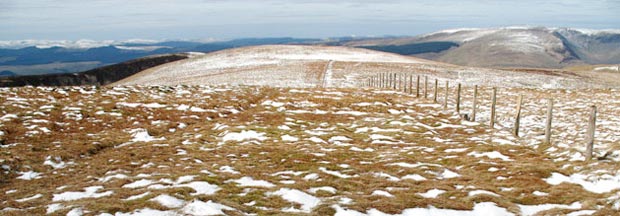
x: 99, y: 76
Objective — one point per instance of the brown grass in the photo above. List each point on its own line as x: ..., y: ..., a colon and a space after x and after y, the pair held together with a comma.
x: 92, y: 144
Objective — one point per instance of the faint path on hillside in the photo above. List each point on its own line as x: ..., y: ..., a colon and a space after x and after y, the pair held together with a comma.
x: 328, y: 74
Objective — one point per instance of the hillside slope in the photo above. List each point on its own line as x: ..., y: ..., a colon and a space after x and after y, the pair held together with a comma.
x: 512, y: 46
x: 99, y: 76
x: 322, y: 66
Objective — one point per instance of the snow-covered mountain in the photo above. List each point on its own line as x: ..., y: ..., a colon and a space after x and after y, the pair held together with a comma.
x: 514, y: 46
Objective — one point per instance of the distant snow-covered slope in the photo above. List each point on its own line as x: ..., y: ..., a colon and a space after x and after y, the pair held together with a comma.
x: 324, y: 66
x: 276, y: 65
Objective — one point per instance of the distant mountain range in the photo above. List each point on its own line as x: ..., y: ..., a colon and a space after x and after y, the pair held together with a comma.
x: 519, y: 47
x: 535, y: 47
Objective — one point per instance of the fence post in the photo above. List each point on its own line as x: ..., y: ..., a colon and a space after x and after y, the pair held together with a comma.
x: 445, y: 100
x: 425, y: 87
x: 403, y: 77
x: 493, y: 103
x: 458, y: 99
x: 590, y: 134
x: 405, y: 83
x: 400, y: 82
x: 549, y: 119
x: 411, y: 84
x: 385, y: 80
x: 374, y: 81
x: 518, y: 116
x: 473, y: 114
x: 394, y: 83
x: 417, y: 87
x: 436, y: 89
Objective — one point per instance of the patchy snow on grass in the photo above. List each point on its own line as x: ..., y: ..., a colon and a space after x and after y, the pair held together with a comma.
x: 51, y: 208
x: 26, y: 199
x: 540, y: 193
x: 595, y: 184
x: 56, y: 163
x: 199, y: 208
x: 307, y: 201
x: 334, y: 173
x: 168, y: 201
x: 244, y: 135
x: 456, y: 150
x: 143, y: 212
x: 484, y: 208
x: 89, y: 192
x: 138, y: 184
x: 317, y: 140
x: 289, y: 138
x: 381, y: 193
x: 527, y: 210
x: 201, y: 188
x: 492, y: 155
x: 228, y: 169
x: 250, y: 182
x: 446, y: 174
x: 483, y: 192
x: 410, y: 165
x: 29, y: 175
x: 139, y: 196
x: 142, y: 135
x: 431, y: 194
x: 414, y: 177
x: 329, y: 189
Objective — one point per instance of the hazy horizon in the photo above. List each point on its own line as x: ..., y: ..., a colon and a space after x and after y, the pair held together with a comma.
x: 204, y: 19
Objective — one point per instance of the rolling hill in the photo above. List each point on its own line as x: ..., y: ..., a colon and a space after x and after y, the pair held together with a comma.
x: 324, y: 66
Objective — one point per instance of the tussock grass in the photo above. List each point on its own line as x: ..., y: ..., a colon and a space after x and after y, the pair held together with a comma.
x: 100, y: 145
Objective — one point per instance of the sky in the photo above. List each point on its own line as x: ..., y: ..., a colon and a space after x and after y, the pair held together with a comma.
x: 220, y: 19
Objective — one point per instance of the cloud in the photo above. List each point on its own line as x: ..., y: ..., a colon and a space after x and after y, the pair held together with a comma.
x: 109, y: 19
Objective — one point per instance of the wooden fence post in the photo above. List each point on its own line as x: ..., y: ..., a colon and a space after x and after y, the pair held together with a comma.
x: 425, y: 87
x: 405, y: 83
x: 518, y: 116
x: 417, y: 87
x: 411, y: 84
x: 394, y: 83
x: 384, y: 80
x: 445, y: 100
x: 401, y: 83
x: 403, y: 77
x: 458, y: 99
x: 473, y: 114
x: 377, y: 81
x: 549, y: 119
x: 374, y: 81
x: 590, y: 133
x: 493, y: 103
x: 436, y: 89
